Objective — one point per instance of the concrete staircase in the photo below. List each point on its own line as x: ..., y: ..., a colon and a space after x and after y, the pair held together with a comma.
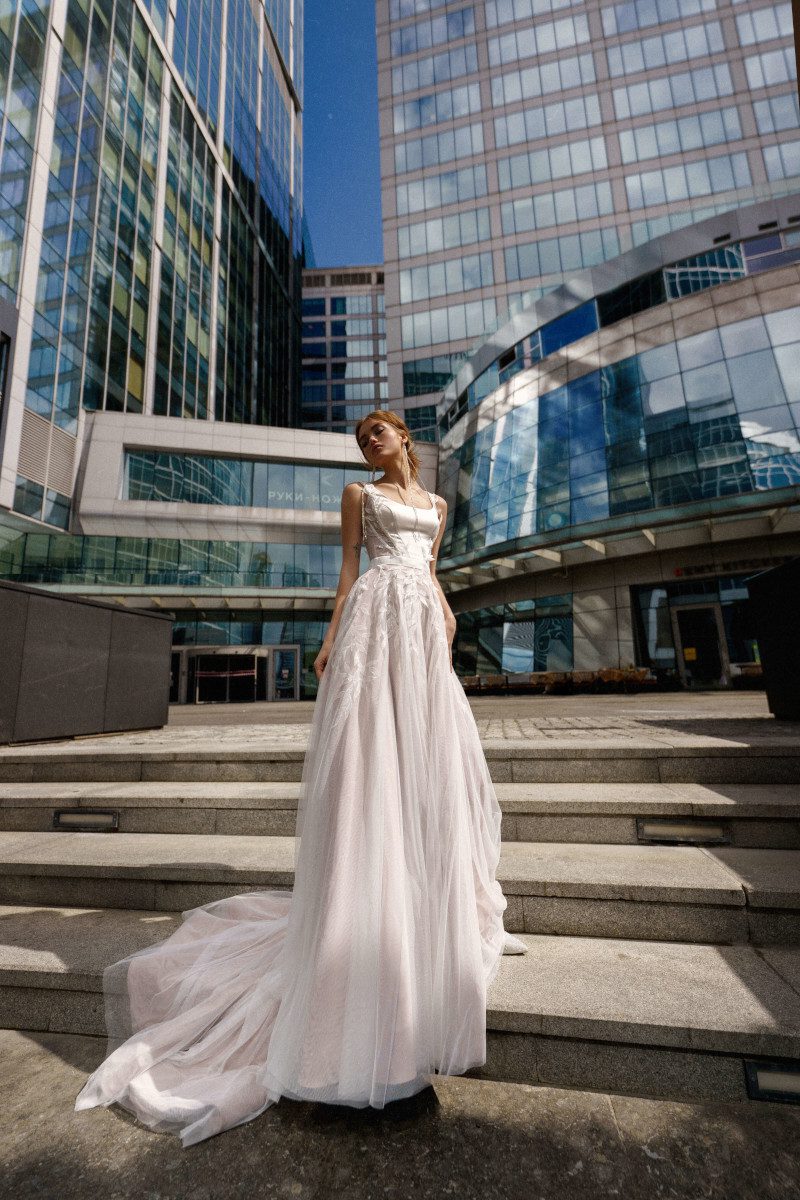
x: 653, y: 968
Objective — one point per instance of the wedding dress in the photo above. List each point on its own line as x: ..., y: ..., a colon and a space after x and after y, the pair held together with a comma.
x: 371, y: 975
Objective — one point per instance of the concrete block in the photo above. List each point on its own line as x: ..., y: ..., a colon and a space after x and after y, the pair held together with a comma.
x: 770, y: 878
x: 648, y: 921
x: 249, y: 822
x: 766, y: 928
x: 177, y: 896
x: 585, y: 827
x: 612, y: 770
x: 777, y: 835
x: 49, y: 1010
x: 671, y: 874
x: 678, y: 768
x: 644, y: 1071
x: 76, y: 892
x: 513, y: 921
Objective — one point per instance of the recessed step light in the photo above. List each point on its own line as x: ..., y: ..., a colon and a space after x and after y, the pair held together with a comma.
x: 698, y: 833
x: 773, y: 1081
x: 86, y: 820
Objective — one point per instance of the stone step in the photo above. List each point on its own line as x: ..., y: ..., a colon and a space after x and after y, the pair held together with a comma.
x: 687, y: 759
x: 674, y: 1020
x: 671, y: 893
x: 741, y: 814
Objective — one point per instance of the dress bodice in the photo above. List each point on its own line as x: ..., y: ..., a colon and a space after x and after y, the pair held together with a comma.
x: 391, y: 527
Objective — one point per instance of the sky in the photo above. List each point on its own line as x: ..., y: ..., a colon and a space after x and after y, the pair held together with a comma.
x: 341, y: 173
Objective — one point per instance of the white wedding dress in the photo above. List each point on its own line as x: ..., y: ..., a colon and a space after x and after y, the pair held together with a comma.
x: 371, y: 975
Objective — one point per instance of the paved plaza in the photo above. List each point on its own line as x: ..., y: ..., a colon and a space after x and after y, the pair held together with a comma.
x: 670, y: 718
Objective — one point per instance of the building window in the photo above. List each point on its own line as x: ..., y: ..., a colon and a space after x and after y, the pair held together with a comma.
x: 5, y: 358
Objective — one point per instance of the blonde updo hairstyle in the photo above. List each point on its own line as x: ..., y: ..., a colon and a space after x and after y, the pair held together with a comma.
x: 391, y: 418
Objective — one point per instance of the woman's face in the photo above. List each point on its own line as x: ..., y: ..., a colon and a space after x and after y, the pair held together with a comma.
x: 379, y: 441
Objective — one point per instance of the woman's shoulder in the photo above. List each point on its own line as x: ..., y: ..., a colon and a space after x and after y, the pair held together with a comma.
x: 352, y: 492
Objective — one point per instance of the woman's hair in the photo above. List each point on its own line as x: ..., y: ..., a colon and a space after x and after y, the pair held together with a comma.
x: 391, y: 418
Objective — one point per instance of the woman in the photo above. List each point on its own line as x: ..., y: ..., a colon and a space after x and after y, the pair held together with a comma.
x: 371, y: 976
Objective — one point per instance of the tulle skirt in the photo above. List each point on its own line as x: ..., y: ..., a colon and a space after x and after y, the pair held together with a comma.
x: 371, y: 976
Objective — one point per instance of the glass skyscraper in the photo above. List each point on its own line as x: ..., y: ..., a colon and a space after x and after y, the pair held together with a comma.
x: 524, y: 140
x: 150, y: 224
x: 344, y: 346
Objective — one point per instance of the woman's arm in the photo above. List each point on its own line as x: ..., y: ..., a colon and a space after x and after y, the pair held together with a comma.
x: 449, y: 619
x: 351, y: 558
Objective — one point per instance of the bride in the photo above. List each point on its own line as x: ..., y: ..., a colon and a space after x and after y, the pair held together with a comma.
x: 371, y: 976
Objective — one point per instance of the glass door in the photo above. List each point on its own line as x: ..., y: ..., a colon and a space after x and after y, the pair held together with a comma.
x: 284, y: 673
x: 700, y: 645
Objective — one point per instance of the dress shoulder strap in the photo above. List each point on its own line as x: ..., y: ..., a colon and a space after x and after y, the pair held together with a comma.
x: 364, y: 487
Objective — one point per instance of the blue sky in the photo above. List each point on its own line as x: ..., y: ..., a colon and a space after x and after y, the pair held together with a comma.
x: 340, y: 132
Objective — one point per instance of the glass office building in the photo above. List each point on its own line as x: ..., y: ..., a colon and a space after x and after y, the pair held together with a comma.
x: 624, y: 453
x: 151, y: 224
x: 525, y: 140
x: 154, y: 257
x: 344, y: 346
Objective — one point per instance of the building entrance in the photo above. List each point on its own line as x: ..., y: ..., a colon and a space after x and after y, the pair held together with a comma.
x: 235, y: 674
x: 700, y: 645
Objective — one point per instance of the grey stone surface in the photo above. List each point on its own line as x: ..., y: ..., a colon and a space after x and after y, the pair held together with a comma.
x: 582, y: 828
x: 682, y: 874
x: 767, y: 928
x: 711, y: 998
x: 513, y: 919
x: 786, y: 961
x: 753, y: 768
x: 595, y: 799
x: 62, y: 947
x: 160, y: 794
x: 150, y: 856
x: 235, y: 771
x: 691, y: 997
x: 75, y: 891
x: 672, y: 874
x: 58, y: 1011
x: 469, y: 1138
x: 584, y: 770
x: 640, y: 1070
x: 660, y: 921
x: 770, y: 878
x: 775, y: 835
x: 738, y: 801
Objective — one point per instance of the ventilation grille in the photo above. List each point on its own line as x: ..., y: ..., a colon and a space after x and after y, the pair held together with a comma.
x: 62, y: 461
x: 33, y: 447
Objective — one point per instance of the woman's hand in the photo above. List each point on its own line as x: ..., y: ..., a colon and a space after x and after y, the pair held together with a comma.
x: 321, y: 661
x: 450, y: 626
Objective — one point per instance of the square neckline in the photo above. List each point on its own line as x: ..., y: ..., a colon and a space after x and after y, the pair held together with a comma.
x: 402, y: 504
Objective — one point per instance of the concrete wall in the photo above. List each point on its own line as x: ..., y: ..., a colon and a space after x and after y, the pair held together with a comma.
x: 75, y: 666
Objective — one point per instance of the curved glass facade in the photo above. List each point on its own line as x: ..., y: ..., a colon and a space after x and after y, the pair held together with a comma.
x: 682, y: 278
x: 708, y: 416
x: 615, y: 476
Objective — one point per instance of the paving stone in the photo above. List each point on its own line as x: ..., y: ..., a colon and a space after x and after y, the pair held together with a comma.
x: 467, y: 1137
